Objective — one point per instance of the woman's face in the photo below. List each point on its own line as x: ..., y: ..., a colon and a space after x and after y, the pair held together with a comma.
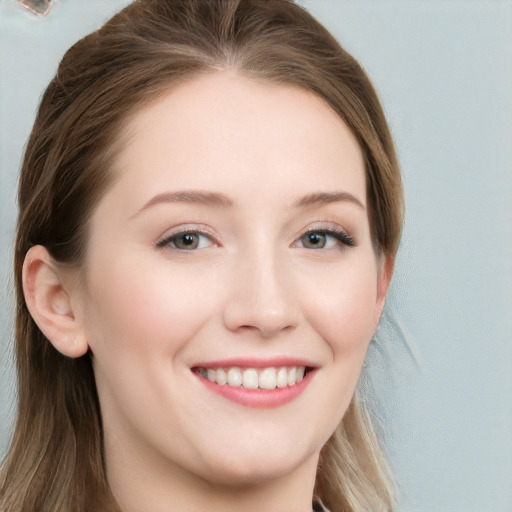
x: 234, y: 246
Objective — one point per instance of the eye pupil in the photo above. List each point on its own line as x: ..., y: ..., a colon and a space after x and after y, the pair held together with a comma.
x: 314, y: 240
x: 187, y: 241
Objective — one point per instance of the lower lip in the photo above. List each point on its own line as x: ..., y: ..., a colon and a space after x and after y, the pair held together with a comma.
x: 259, y: 398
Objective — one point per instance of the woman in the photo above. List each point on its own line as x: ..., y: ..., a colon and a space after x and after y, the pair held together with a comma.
x: 210, y: 205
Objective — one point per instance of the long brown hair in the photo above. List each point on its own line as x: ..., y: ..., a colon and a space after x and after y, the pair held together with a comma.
x: 55, y: 463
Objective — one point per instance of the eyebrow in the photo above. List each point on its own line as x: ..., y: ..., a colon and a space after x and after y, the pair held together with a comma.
x: 218, y: 199
x: 189, y: 196
x: 320, y: 198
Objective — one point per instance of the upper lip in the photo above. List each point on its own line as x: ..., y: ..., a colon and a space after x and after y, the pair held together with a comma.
x: 247, y: 362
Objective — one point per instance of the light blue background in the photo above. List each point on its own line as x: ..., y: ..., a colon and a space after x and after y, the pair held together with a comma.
x: 441, y: 367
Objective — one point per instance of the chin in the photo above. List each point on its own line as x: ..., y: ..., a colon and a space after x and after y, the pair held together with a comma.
x: 243, y: 468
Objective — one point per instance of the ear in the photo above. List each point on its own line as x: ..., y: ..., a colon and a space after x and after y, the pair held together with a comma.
x: 49, y: 300
x: 385, y: 271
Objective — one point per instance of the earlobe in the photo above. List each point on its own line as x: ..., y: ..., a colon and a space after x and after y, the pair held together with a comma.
x: 49, y: 302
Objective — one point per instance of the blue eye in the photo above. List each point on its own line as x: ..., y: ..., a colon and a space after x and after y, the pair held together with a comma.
x: 325, y: 239
x: 186, y: 241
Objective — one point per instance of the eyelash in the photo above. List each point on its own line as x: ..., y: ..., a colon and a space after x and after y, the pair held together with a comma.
x: 333, y: 231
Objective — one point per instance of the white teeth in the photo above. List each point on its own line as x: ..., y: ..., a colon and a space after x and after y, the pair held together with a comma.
x: 292, y: 374
x: 268, y: 378
x: 282, y: 378
x: 251, y: 378
x: 234, y: 377
x: 222, y: 378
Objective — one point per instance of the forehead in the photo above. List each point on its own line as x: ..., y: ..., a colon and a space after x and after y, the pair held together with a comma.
x: 222, y: 130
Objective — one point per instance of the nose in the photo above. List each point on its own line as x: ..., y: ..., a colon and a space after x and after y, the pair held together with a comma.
x: 262, y: 298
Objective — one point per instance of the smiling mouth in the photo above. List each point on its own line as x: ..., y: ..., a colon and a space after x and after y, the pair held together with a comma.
x: 268, y: 379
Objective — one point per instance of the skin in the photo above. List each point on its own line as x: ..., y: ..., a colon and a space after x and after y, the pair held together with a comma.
x: 253, y: 288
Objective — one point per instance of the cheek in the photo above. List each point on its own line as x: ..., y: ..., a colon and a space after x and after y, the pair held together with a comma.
x: 140, y: 320
x: 342, y: 312
x: 147, y: 311
x: 343, y: 308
